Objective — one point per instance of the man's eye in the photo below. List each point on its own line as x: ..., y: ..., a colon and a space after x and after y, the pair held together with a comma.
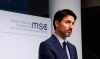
x: 67, y: 22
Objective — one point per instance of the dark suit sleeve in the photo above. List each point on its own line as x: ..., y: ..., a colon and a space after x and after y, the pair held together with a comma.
x: 45, y: 51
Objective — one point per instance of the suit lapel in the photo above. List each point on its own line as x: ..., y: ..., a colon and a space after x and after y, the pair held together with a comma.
x: 58, y: 46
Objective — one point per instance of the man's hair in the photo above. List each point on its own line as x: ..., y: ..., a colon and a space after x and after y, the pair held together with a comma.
x: 59, y: 15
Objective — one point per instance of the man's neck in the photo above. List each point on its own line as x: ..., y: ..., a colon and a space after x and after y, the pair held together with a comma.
x: 64, y: 38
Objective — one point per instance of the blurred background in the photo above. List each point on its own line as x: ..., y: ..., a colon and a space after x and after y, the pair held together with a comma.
x: 90, y: 10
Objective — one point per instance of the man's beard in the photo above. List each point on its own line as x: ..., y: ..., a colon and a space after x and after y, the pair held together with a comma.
x: 68, y: 34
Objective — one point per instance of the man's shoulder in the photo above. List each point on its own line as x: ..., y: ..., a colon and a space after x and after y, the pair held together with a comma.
x: 46, y: 44
x: 49, y: 41
x: 71, y: 45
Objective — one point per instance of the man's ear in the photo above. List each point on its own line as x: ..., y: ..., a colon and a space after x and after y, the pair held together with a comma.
x: 56, y: 23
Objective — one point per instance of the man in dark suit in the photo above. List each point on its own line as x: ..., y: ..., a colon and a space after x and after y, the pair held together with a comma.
x: 53, y: 47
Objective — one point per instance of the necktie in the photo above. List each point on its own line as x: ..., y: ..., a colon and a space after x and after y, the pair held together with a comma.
x: 65, y: 51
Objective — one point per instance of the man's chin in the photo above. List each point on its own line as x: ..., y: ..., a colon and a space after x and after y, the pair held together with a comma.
x: 68, y: 35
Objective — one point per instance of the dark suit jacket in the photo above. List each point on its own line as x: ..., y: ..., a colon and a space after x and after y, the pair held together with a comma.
x: 51, y: 49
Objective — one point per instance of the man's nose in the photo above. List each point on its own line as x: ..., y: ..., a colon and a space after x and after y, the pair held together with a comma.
x: 71, y: 26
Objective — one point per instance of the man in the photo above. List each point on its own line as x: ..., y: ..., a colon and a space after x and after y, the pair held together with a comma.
x: 53, y: 48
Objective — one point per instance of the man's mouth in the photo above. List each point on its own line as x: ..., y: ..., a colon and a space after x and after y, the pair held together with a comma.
x: 69, y: 31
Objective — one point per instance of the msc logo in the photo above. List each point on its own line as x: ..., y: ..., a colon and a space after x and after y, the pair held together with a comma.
x: 39, y: 26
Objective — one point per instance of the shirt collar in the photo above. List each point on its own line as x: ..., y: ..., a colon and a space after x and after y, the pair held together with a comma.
x: 59, y: 39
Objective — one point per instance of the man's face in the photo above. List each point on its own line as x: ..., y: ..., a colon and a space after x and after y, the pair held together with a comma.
x: 64, y: 28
